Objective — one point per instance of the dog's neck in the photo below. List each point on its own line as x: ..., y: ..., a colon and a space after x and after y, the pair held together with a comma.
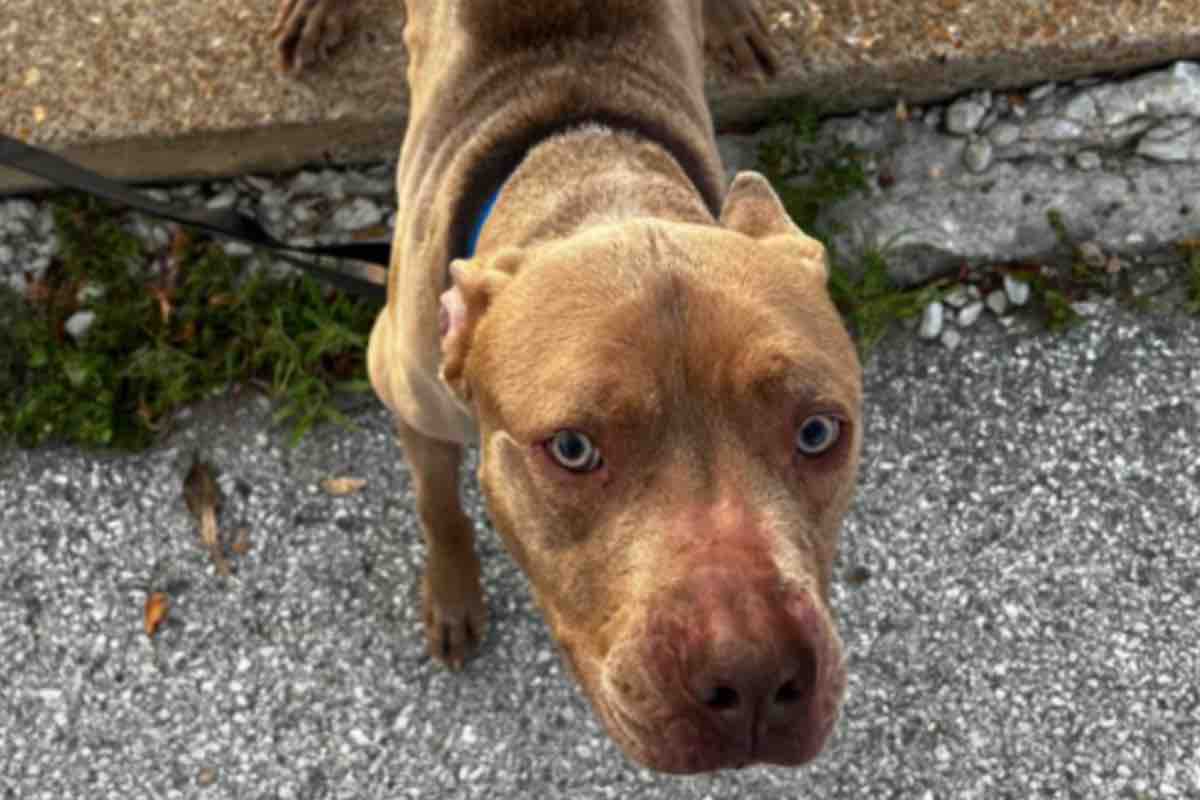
x: 589, y: 176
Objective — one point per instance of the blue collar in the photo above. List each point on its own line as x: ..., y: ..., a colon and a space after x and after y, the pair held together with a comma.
x: 480, y: 221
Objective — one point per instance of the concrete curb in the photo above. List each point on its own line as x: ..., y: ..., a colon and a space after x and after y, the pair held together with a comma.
x: 170, y: 89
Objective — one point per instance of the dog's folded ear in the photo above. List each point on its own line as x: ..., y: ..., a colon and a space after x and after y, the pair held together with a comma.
x: 754, y: 209
x: 473, y: 285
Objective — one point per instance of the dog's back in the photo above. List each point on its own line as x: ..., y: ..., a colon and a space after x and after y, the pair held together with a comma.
x: 511, y: 25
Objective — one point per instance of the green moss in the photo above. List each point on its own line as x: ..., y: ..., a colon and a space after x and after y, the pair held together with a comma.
x: 807, y: 189
x: 872, y: 303
x: 169, y: 329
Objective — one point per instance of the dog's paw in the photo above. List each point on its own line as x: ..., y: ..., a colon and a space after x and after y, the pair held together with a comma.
x: 305, y: 31
x: 455, y: 615
x: 737, y: 28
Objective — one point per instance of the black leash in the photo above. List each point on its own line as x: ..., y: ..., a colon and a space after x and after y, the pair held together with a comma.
x: 222, y: 222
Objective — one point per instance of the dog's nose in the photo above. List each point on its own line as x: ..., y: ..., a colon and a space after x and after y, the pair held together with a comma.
x: 747, y: 688
x: 754, y: 670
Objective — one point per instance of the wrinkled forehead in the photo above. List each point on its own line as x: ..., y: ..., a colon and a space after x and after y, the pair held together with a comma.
x: 624, y: 324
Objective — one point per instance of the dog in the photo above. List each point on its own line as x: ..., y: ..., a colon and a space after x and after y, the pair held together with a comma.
x: 666, y: 403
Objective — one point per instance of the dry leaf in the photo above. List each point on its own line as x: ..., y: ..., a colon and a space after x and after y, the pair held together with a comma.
x: 241, y: 543
x: 203, y: 499
x: 157, y: 606
x: 165, y: 306
x: 340, y: 487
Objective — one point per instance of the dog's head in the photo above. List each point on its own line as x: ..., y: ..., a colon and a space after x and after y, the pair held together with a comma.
x: 670, y: 427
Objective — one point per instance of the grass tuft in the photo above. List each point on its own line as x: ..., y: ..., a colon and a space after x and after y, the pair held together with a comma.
x: 169, y: 329
x: 1192, y: 281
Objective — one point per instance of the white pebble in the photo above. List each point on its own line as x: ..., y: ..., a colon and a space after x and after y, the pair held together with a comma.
x: 932, y: 320
x: 969, y: 315
x: 951, y: 339
x: 79, y: 323
x: 997, y: 301
x: 957, y: 297
x: 1017, y: 291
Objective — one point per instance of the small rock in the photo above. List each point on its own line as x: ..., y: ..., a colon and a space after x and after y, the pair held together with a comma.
x: 302, y: 213
x: 1085, y: 309
x: 970, y: 315
x: 997, y: 301
x: 261, y: 184
x: 964, y: 116
x: 359, y: 213
x: 1052, y: 129
x: 1016, y: 290
x: 1041, y: 92
x: 932, y: 118
x: 1004, y: 134
x: 6, y: 255
x: 1087, y: 160
x: 1092, y: 255
x: 932, y: 321
x: 236, y: 249
x: 951, y: 339
x: 22, y: 210
x: 978, y: 155
x: 1172, y: 141
x: 79, y: 323
x: 221, y: 201
x: 1082, y: 108
x: 305, y: 183
x: 957, y: 297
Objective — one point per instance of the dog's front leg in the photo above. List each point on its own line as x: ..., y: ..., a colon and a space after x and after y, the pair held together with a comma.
x: 306, y: 30
x: 738, y: 27
x: 454, y: 610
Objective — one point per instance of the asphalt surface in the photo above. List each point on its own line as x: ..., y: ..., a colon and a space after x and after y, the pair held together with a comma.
x: 1018, y: 590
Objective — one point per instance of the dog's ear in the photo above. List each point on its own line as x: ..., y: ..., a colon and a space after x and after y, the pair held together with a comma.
x: 473, y: 285
x: 753, y: 208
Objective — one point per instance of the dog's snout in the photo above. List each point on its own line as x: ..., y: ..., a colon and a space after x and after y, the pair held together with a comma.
x: 740, y: 670
x: 752, y: 668
x: 746, y: 686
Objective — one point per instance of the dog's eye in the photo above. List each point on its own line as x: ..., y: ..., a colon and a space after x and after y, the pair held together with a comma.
x: 574, y: 451
x: 817, y: 434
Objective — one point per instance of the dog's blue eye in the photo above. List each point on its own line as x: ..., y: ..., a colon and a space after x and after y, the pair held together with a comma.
x: 817, y: 434
x: 574, y: 451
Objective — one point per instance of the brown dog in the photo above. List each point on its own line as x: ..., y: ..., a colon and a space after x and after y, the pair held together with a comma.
x: 666, y: 403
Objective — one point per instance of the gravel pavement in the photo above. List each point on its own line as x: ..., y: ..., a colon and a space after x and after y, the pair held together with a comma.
x: 1018, y: 589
